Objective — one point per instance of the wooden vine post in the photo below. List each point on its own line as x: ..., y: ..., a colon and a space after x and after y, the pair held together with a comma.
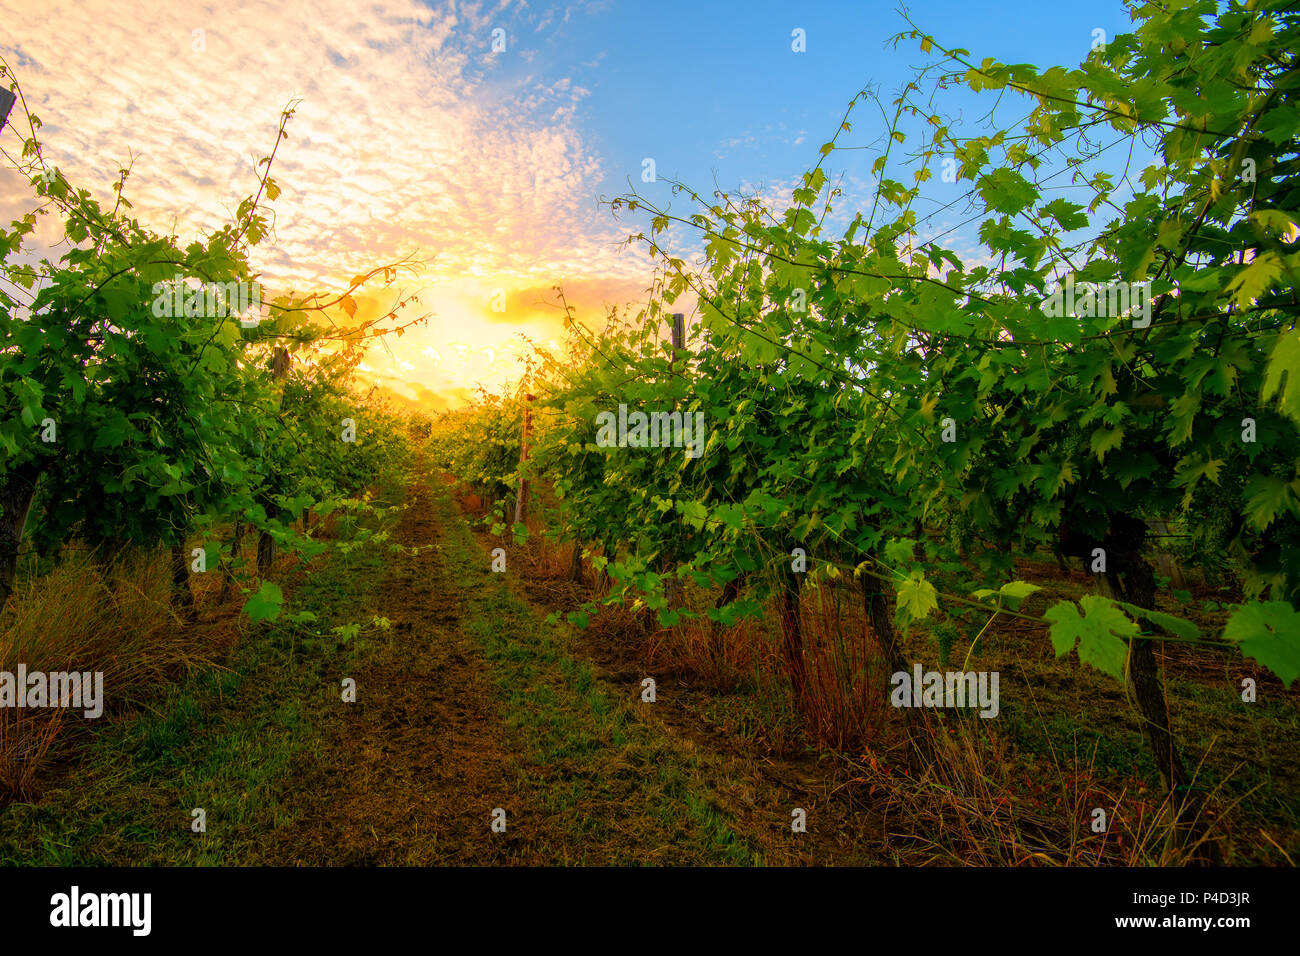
x: 17, y: 491
x: 521, y: 511
x: 266, y: 543
x: 672, y: 586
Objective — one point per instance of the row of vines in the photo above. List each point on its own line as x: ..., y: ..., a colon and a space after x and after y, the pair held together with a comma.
x: 151, y: 397
x: 912, y: 417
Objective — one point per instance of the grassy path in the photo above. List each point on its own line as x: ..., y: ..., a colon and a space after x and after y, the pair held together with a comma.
x: 466, y: 702
x: 472, y: 705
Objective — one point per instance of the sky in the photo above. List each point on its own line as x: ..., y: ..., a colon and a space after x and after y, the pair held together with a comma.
x: 485, y: 139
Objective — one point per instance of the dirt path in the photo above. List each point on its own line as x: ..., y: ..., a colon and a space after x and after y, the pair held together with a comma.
x: 415, y: 767
x: 470, y: 702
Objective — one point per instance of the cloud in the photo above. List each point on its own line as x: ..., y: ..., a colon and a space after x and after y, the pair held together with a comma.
x: 409, y: 135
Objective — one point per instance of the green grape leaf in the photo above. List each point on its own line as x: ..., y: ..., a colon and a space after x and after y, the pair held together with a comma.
x: 1174, y: 625
x: 1268, y: 496
x: 1270, y: 633
x: 266, y: 604
x: 917, y: 596
x: 1099, y: 633
x: 1017, y: 591
x: 1282, y: 378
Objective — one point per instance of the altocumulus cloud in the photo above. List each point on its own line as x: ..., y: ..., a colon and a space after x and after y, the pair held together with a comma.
x: 411, y: 135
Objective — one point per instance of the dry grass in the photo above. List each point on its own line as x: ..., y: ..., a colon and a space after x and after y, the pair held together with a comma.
x: 977, y: 804
x: 979, y: 801
x: 116, y: 619
x: 842, y: 707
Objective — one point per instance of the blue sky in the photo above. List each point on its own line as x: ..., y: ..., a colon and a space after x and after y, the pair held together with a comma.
x: 714, y: 91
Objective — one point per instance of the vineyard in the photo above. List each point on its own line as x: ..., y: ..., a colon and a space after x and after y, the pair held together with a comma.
x: 898, y: 441
x: 847, y: 547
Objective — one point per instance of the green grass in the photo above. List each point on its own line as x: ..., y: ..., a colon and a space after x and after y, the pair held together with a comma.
x: 591, y: 757
x: 223, y: 739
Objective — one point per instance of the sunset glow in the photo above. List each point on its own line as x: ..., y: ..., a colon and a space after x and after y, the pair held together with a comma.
x: 410, y: 139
